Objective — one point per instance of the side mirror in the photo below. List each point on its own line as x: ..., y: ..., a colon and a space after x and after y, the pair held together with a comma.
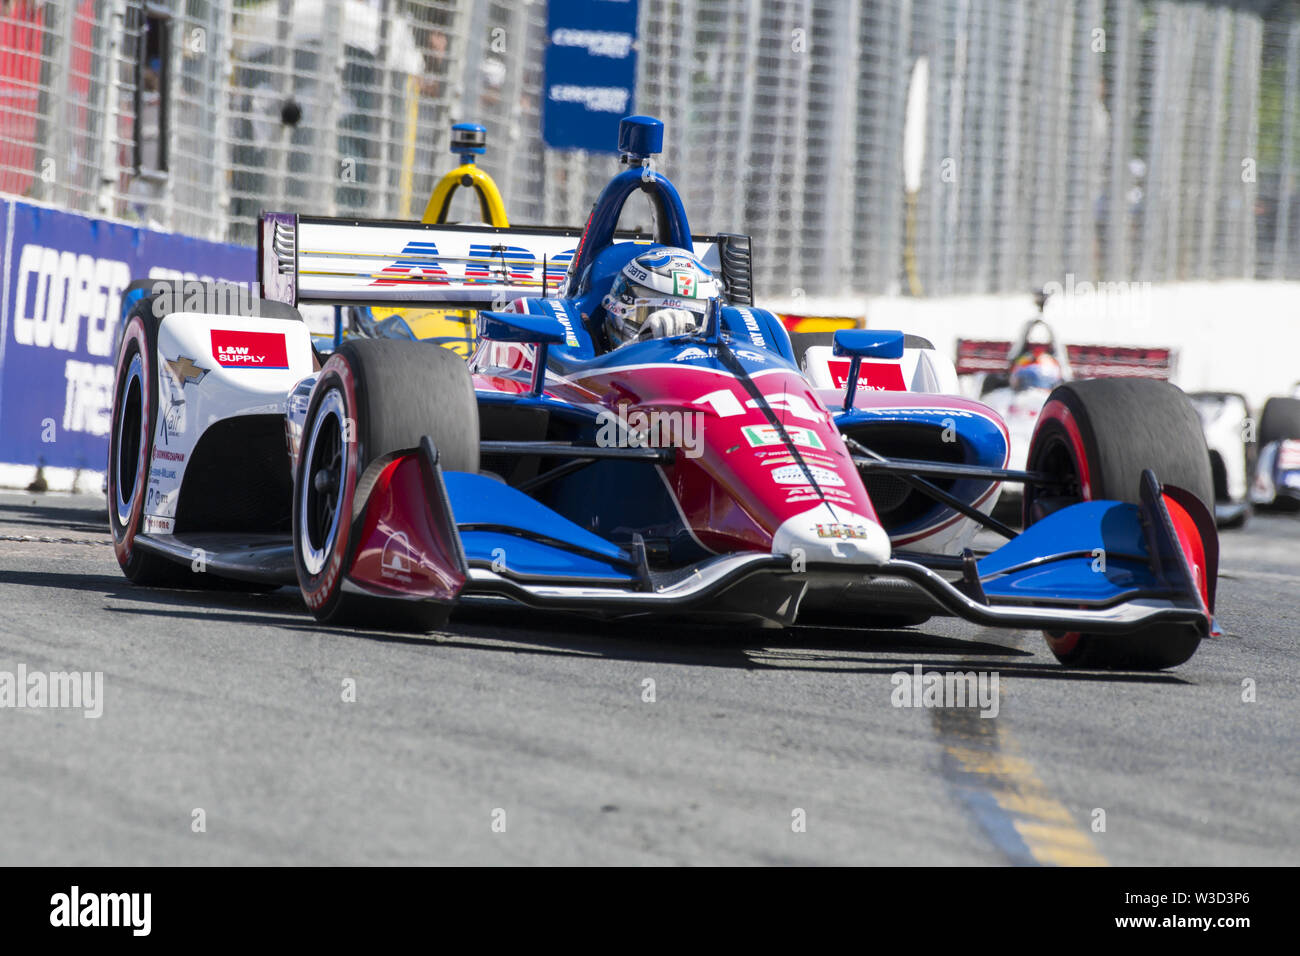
x: 539, y: 331
x: 514, y: 327
x: 869, y: 343
x: 865, y: 343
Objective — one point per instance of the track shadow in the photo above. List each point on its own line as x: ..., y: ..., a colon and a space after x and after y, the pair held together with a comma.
x: 505, y: 630
x: 831, y: 650
x: 839, y: 650
x: 165, y: 599
x: 40, y: 513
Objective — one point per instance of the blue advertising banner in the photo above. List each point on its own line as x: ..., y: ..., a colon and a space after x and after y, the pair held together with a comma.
x: 60, y: 293
x: 590, y: 72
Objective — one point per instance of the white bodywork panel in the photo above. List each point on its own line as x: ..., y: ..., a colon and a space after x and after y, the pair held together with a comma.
x: 210, y: 368
x: 922, y: 370
x: 1223, y: 420
x: 1020, y: 412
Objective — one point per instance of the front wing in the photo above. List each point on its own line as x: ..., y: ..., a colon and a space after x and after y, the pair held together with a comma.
x: 1102, y: 567
x: 1097, y: 567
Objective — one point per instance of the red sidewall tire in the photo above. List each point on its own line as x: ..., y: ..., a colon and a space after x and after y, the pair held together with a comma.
x: 1057, y: 418
x: 1063, y: 645
x: 322, y: 591
x: 1085, y: 422
x: 135, y: 341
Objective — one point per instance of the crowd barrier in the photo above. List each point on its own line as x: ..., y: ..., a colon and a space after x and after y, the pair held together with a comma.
x: 60, y: 294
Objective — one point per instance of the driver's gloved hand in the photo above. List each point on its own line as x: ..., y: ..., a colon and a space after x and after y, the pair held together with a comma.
x: 667, y: 322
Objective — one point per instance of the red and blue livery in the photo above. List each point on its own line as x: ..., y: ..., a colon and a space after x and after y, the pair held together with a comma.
x: 737, y: 474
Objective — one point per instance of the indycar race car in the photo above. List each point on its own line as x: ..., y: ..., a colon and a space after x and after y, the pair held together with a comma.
x: 704, y: 467
x: 1019, y: 381
x: 1276, y: 479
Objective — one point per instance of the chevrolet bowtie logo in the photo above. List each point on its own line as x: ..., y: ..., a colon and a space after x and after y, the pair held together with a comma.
x: 185, y: 371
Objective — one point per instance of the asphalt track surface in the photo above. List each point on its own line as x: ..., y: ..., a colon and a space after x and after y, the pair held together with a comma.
x: 233, y: 704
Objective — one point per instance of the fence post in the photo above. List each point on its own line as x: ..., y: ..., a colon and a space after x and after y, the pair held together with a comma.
x: 1286, y: 167
x: 110, y: 172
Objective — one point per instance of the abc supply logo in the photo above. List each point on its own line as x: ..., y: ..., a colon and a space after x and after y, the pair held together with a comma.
x: 794, y: 475
x: 233, y: 349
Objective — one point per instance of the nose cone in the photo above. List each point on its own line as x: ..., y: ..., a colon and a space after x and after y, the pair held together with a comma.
x: 833, y: 535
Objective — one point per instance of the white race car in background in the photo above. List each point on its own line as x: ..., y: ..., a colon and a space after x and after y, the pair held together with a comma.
x: 1031, y: 367
x: 1015, y: 378
x: 1276, y: 482
x: 1225, y: 419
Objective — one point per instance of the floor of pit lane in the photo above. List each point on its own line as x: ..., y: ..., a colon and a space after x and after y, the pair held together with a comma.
x: 523, y: 738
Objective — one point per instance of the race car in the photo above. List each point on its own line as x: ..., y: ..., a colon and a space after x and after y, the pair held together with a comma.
x: 1276, y: 479
x: 1016, y: 378
x: 1225, y: 418
x: 643, y: 443
x: 1028, y: 371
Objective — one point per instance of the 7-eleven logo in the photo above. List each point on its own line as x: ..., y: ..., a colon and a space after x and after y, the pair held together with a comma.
x: 761, y: 435
x: 684, y: 284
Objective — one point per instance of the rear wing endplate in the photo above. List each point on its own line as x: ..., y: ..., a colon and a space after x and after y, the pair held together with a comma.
x: 314, y: 259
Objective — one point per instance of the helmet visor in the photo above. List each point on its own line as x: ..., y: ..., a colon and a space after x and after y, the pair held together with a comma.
x: 630, y: 307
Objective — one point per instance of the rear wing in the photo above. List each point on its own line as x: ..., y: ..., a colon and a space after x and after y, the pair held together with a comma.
x: 981, y: 355
x: 1121, y: 361
x: 314, y: 259
x: 990, y: 356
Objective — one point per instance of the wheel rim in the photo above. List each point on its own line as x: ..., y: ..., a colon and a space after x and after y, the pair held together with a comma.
x: 1056, y: 457
x: 130, y: 440
x: 321, y: 475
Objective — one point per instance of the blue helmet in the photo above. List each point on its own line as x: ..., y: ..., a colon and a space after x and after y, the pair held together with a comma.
x: 1040, y: 370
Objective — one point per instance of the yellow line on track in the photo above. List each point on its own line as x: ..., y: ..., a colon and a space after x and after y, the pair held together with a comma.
x: 1006, y: 794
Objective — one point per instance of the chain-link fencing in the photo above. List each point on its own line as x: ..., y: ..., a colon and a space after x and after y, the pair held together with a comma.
x: 918, y: 146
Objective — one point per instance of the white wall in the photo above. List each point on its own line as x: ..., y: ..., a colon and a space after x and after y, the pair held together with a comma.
x: 1238, y: 336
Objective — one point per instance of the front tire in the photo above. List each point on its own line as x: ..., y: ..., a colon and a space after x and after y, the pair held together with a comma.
x: 373, y: 401
x: 136, y: 385
x: 1097, y: 437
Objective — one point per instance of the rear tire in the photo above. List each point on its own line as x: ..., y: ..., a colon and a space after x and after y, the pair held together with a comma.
x: 135, y: 424
x: 130, y: 451
x: 1099, y: 436
x: 392, y: 393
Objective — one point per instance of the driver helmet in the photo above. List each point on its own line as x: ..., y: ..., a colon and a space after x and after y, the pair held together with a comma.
x: 665, y: 291
x: 1036, y: 369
